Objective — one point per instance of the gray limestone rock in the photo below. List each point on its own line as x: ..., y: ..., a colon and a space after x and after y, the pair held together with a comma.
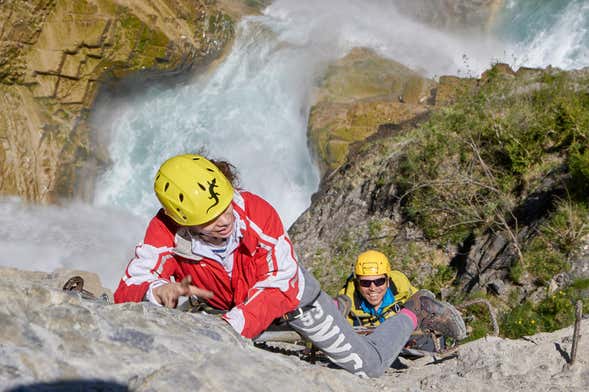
x: 51, y: 336
x: 58, y: 341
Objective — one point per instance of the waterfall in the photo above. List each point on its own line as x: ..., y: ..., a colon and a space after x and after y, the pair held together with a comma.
x: 252, y: 110
x: 552, y: 32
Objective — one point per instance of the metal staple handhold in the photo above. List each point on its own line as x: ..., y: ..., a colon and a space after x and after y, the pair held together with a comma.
x: 576, y: 331
x: 76, y: 283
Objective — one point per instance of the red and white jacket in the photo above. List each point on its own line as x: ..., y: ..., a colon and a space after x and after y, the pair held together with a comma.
x: 257, y: 279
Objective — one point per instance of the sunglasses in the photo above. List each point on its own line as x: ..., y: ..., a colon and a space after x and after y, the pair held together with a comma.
x: 367, y: 282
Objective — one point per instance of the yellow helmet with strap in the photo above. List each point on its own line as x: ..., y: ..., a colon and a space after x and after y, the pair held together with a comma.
x: 192, y: 189
x: 372, y: 262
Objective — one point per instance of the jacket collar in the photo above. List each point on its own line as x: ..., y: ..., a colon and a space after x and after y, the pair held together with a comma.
x: 190, y: 246
x: 387, y: 300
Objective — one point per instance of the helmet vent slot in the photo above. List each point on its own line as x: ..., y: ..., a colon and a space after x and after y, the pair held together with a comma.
x: 202, y: 186
x: 211, y: 170
x: 181, y: 197
x: 195, y: 158
x: 166, y: 186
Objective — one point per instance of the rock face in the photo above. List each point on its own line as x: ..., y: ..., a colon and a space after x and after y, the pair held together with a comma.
x: 364, y: 107
x: 47, y: 335
x: 538, y: 363
x: 54, y: 340
x: 355, y: 208
x: 357, y: 94
x: 54, y: 54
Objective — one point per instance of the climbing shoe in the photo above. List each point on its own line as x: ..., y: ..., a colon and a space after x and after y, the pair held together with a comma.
x: 434, y: 315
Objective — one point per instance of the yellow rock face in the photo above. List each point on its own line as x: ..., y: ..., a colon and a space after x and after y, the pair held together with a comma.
x: 54, y: 55
x: 359, y: 93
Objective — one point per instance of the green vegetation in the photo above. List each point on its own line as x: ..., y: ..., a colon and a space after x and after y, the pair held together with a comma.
x: 511, y: 153
x: 149, y: 44
x: 479, y: 319
x: 474, y: 163
x: 442, y: 277
x: 219, y: 22
x: 553, y: 312
x: 82, y: 7
x: 334, y: 272
x: 475, y: 160
x: 548, y: 252
x: 579, y: 168
x: 258, y: 4
x: 525, y: 318
x: 150, y: 48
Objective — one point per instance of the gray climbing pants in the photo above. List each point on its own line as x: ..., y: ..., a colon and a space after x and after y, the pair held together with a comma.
x: 364, y: 355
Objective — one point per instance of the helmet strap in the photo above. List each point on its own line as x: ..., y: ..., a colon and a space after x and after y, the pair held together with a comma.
x: 212, y: 239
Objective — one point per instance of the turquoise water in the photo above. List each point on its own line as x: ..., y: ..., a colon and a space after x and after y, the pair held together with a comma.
x: 524, y: 19
x: 252, y: 110
x: 548, y: 32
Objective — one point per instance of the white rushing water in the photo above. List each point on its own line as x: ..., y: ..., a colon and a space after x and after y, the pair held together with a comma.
x: 252, y: 110
x: 548, y: 32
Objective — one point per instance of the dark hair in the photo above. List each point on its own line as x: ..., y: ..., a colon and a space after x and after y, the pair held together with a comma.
x: 228, y: 170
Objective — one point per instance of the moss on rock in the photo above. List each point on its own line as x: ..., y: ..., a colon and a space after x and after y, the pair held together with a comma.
x: 54, y: 56
x: 359, y: 93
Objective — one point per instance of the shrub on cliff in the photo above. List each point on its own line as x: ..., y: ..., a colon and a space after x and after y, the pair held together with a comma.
x: 475, y: 163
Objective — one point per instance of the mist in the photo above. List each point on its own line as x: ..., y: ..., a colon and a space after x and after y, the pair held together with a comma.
x: 76, y: 236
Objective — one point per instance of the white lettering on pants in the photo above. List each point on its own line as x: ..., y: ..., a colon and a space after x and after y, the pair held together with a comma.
x: 326, y: 330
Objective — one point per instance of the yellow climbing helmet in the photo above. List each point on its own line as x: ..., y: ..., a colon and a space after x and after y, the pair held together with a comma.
x: 192, y: 189
x: 372, y: 262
